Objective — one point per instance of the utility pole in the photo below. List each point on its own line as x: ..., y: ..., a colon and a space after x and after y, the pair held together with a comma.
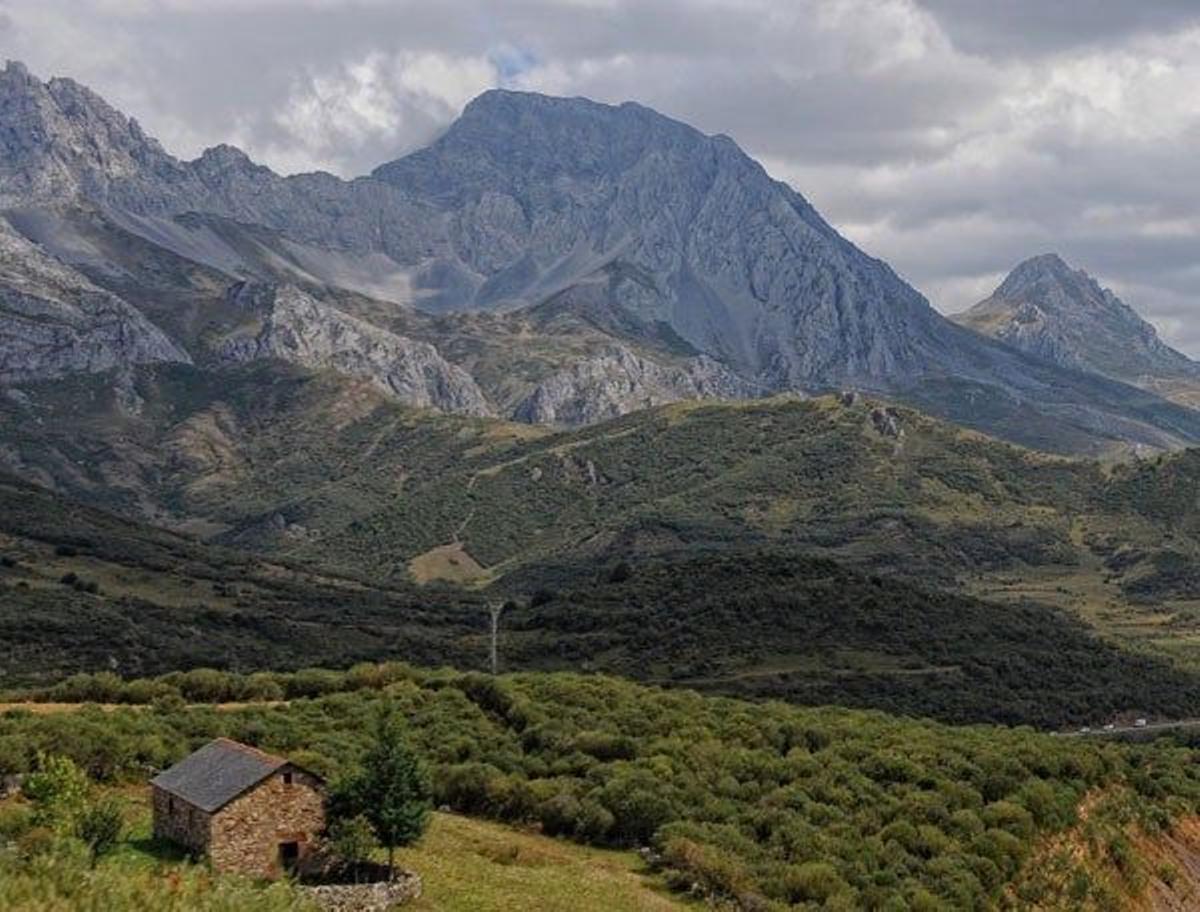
x: 494, y: 608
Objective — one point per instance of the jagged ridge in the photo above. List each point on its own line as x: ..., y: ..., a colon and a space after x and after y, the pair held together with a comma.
x: 527, y: 197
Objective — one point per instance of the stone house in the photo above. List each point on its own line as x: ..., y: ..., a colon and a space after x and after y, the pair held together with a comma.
x: 250, y: 812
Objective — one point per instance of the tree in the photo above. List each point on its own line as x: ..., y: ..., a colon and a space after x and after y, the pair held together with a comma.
x: 100, y: 826
x: 58, y: 790
x: 391, y: 789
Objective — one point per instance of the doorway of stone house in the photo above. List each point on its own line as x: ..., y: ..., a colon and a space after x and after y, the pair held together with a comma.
x: 289, y: 856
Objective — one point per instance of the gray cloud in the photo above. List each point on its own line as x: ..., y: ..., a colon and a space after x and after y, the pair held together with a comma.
x: 1018, y: 27
x: 951, y: 137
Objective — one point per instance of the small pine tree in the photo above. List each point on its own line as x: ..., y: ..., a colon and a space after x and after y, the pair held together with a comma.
x: 391, y: 790
x: 100, y: 826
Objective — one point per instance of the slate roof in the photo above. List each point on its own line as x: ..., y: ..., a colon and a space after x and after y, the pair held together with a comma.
x: 217, y: 773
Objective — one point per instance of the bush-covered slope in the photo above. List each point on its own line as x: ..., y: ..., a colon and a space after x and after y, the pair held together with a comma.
x: 765, y: 804
x: 322, y: 469
x: 82, y: 591
x: 812, y: 631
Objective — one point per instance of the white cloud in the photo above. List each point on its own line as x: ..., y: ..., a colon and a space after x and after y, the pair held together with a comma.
x: 330, y: 116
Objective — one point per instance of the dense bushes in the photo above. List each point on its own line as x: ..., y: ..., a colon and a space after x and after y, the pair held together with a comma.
x: 736, y: 619
x: 813, y: 631
x: 762, y: 803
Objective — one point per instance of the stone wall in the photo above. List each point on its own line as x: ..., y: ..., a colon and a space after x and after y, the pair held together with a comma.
x: 247, y: 832
x: 370, y: 897
x: 180, y: 822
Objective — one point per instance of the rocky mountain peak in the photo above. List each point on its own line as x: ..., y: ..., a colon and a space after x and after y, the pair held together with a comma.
x: 61, y: 140
x: 1049, y: 277
x: 1062, y: 314
x: 227, y: 163
x: 511, y: 142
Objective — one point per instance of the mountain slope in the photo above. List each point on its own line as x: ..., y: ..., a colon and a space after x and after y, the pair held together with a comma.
x: 648, y: 228
x: 53, y: 321
x: 81, y: 590
x: 322, y: 469
x: 1063, y: 315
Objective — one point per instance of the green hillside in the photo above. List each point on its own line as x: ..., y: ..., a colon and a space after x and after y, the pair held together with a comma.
x: 761, y: 805
x: 314, y: 466
x: 83, y: 591
x: 307, y: 466
x: 319, y: 470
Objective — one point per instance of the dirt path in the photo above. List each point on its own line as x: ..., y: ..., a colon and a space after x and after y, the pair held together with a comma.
x: 46, y: 709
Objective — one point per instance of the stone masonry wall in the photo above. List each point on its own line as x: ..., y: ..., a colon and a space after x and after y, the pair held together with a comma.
x: 247, y: 832
x: 180, y: 822
x: 372, y: 897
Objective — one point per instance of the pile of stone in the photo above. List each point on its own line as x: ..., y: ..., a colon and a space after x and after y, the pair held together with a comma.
x: 376, y: 896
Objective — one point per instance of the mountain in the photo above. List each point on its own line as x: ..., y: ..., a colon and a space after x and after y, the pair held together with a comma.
x: 578, y: 260
x: 1063, y: 315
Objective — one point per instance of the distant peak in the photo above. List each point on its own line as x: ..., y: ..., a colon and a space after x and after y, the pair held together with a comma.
x: 1038, y: 270
x: 1049, y: 260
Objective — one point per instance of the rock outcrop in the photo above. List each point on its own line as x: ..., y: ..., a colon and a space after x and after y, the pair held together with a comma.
x: 290, y: 325
x: 54, y: 322
x: 618, y: 381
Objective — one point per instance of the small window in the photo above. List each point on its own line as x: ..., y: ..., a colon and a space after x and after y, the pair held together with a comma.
x: 170, y: 805
x: 287, y: 778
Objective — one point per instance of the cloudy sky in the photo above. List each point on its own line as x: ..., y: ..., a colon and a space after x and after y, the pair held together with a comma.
x: 953, y: 138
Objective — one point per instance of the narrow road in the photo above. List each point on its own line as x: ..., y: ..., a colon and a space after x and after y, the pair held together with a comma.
x: 1130, y: 729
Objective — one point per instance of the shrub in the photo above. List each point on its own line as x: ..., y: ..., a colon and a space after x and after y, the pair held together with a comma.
x: 15, y: 820
x: 58, y: 790
x: 593, y: 822
x: 352, y: 839
x: 637, y: 805
x: 100, y: 826
x: 620, y: 573
x: 814, y: 881
x: 718, y: 875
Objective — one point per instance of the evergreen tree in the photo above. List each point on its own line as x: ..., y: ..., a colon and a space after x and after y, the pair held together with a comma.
x: 391, y: 789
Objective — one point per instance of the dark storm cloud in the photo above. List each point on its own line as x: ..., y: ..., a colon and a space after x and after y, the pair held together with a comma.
x: 951, y: 137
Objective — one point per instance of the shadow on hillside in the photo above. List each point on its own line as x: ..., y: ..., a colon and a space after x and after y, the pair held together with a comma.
x: 158, y: 849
